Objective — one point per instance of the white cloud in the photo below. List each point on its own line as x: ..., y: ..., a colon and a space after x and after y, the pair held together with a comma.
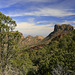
x: 32, y: 29
x: 46, y: 12
x: 31, y: 20
x: 42, y: 22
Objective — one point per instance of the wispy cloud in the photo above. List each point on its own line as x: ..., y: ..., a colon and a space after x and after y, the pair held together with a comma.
x: 41, y: 0
x: 46, y: 12
x: 8, y: 3
x: 37, y: 16
x: 32, y: 29
x: 42, y: 22
x: 4, y: 3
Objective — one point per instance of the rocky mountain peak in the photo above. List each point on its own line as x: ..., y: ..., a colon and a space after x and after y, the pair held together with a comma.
x: 29, y: 36
x: 59, y: 32
x: 39, y: 37
x: 63, y: 27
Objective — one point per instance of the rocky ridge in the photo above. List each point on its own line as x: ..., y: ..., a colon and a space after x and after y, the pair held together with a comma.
x: 30, y: 41
x: 40, y: 41
x: 59, y: 32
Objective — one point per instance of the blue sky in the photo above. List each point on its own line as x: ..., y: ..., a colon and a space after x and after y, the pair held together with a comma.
x: 38, y: 17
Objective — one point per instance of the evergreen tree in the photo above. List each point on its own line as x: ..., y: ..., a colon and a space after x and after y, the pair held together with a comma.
x: 7, y: 40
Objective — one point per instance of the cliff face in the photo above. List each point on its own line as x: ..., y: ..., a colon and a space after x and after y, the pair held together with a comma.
x: 59, y: 32
x: 39, y: 41
x: 34, y: 42
x: 63, y: 27
x: 30, y: 41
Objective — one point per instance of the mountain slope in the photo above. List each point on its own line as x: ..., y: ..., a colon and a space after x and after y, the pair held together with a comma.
x: 59, y: 32
x: 40, y: 41
x: 30, y: 41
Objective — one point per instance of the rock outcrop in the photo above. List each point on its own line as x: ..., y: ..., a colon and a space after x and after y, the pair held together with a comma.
x: 63, y: 27
x: 59, y: 32
x: 30, y: 41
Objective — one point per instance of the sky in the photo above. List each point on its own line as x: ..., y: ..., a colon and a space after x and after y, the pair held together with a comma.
x: 38, y: 17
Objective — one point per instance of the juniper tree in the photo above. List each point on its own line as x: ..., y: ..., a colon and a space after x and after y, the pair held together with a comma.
x: 8, y: 40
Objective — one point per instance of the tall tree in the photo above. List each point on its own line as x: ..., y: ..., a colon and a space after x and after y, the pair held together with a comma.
x: 8, y: 40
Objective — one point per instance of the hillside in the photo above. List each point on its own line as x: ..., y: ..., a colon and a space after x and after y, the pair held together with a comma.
x: 59, y: 32
x: 39, y: 41
x: 29, y: 41
x: 55, y: 58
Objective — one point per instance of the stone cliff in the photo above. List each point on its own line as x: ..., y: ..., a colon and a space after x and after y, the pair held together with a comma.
x: 29, y: 40
x: 59, y: 32
x: 63, y: 27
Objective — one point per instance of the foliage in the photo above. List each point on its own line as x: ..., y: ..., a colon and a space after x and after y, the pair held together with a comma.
x: 60, y: 52
x: 7, y: 40
x: 56, y: 58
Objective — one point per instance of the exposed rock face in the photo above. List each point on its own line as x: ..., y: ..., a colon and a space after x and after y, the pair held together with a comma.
x: 59, y: 32
x: 22, y: 37
x: 34, y: 42
x: 39, y: 37
x: 30, y: 41
x: 29, y: 36
x: 63, y: 27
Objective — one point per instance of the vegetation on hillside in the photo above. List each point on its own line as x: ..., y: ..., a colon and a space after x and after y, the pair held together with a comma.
x: 56, y: 58
x: 59, y: 32
x: 30, y: 41
x: 61, y: 52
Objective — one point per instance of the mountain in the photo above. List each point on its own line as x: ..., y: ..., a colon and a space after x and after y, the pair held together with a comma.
x: 58, y: 57
x: 59, y: 32
x: 39, y: 41
x: 30, y: 40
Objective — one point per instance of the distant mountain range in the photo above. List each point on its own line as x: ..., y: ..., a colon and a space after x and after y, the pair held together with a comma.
x: 30, y: 40
x: 39, y: 41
